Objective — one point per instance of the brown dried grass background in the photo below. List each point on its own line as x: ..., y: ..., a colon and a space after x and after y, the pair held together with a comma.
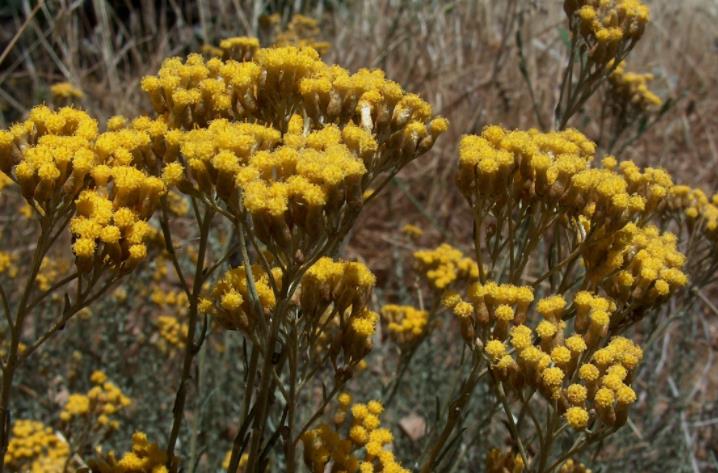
x: 461, y: 56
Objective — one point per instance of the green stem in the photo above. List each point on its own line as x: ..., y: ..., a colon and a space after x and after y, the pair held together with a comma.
x: 291, y: 401
x: 196, y: 419
x: 456, y: 409
x: 404, y: 366
x: 16, y: 328
x: 513, y: 430
x: 190, y: 348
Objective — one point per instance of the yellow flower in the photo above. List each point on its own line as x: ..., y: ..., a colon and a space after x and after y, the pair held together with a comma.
x: 35, y: 447
x: 576, y: 394
x: 463, y: 310
x: 588, y: 372
x: 412, y: 230
x: 607, y: 26
x: 96, y: 406
x: 364, y: 439
x: 552, y: 376
x: 405, y: 323
x: 144, y: 456
x: 577, y: 417
x: 445, y: 265
x: 505, y: 313
x: 495, y: 349
x: 231, y: 298
x: 65, y: 90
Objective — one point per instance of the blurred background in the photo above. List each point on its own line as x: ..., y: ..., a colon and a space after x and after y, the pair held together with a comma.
x: 477, y: 62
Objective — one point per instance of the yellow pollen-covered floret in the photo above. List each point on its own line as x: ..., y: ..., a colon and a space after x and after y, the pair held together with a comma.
x: 577, y: 417
x: 576, y: 393
x: 495, y: 349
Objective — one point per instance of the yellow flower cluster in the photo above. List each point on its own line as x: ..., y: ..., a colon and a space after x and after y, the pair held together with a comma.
x: 293, y: 191
x: 594, y: 315
x: 239, y: 48
x: 51, y: 269
x: 344, y: 285
x: 214, y: 156
x: 605, y: 380
x: 35, y: 448
x: 334, y: 297
x: 57, y: 158
x: 364, y: 448
x: 630, y: 90
x: 110, y: 230
x: 701, y: 212
x: 546, y: 169
x: 301, y: 31
x: 316, y: 175
x: 531, y: 162
x: 98, y: 405
x: 586, y: 374
x: 506, y: 461
x: 197, y: 91
x: 653, y: 184
x: 144, y: 457
x: 168, y: 299
x: 412, y: 231
x: 172, y: 332
x: 637, y: 265
x: 445, y: 265
x: 406, y: 324
x: 285, y: 80
x: 231, y: 303
x: 66, y: 91
x: 177, y: 204
x: 132, y: 143
x: 285, y: 137
x: 49, y: 155
x: 172, y: 307
x: 608, y: 27
x: 399, y: 123
x: 111, y: 223
x: 502, y: 305
x: 7, y: 264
